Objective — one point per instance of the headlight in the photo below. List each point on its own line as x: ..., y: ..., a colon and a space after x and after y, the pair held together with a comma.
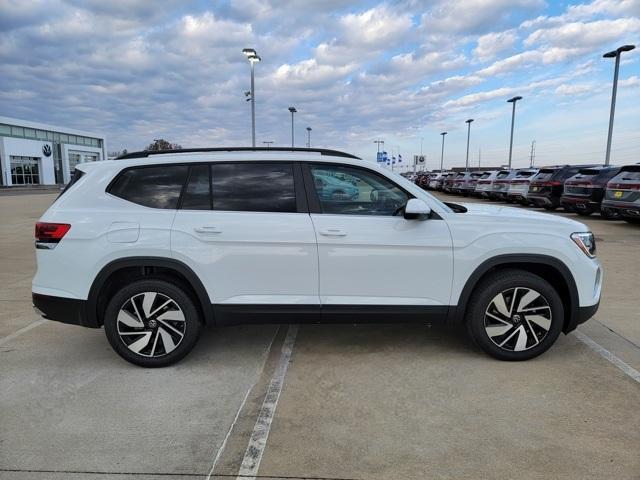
x: 586, y: 242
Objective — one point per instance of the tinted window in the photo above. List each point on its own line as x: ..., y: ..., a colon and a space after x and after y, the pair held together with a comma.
x: 157, y: 187
x: 354, y: 191
x: 546, y: 173
x: 197, y: 195
x: 502, y: 174
x: 629, y: 175
x: 566, y: 173
x: 253, y: 187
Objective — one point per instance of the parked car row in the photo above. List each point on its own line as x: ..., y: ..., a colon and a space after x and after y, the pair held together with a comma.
x: 612, y: 191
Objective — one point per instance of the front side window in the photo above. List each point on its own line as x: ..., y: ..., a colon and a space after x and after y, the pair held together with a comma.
x: 253, y: 187
x: 345, y: 190
x: 157, y: 186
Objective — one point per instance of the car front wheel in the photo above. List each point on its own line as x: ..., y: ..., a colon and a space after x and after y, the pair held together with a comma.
x: 152, y: 323
x: 514, y: 315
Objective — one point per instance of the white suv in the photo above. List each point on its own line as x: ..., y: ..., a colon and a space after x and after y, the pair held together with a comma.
x: 155, y: 245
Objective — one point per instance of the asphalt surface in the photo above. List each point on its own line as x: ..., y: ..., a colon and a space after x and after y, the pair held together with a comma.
x: 327, y: 401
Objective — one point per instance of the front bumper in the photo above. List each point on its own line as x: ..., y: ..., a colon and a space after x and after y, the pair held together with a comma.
x: 65, y: 310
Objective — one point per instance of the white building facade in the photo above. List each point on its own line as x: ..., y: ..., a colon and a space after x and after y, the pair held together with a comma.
x: 38, y: 154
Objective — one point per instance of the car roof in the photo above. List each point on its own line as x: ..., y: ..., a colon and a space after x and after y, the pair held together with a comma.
x: 321, y: 151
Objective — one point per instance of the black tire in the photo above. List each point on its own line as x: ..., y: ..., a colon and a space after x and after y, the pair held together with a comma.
x: 609, y: 214
x: 632, y: 220
x: 482, y: 302
x: 551, y: 208
x: 183, y: 305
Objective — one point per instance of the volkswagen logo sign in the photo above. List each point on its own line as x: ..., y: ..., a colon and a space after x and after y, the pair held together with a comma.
x: 46, y: 150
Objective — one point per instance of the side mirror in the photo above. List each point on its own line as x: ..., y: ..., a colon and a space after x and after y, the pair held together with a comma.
x: 416, y: 209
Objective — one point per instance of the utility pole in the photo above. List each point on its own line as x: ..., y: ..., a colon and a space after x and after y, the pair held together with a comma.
x: 442, y: 152
x: 479, y: 157
x: 308, y: 137
x: 513, y: 117
x: 533, y: 153
x: 468, y: 122
x: 253, y: 57
x: 292, y: 110
x: 614, y: 54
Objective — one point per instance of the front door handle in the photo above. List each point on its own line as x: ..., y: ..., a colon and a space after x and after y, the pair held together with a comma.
x: 333, y: 232
x: 207, y: 229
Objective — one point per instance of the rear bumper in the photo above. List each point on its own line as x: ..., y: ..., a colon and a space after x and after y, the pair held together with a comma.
x: 579, y: 202
x: 627, y: 209
x: 542, y: 200
x: 65, y: 310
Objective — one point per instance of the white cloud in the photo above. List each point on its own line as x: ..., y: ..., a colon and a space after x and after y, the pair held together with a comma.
x: 575, y: 89
x: 584, y: 35
x: 491, y: 44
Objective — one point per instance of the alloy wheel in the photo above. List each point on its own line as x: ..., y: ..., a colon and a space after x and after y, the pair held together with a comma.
x: 151, y: 324
x: 518, y: 319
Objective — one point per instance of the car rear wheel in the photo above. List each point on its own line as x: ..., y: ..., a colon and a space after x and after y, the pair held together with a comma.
x: 609, y: 214
x: 514, y: 315
x: 550, y: 207
x: 152, y: 323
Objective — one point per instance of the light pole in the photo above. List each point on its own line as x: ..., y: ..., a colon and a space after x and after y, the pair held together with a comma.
x: 308, y: 137
x: 268, y: 143
x: 292, y: 110
x: 253, y: 57
x: 513, y: 117
x: 442, y: 153
x: 614, y: 54
x: 468, y: 122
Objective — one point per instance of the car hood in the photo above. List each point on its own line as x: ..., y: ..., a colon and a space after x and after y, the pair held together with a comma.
x: 521, y: 216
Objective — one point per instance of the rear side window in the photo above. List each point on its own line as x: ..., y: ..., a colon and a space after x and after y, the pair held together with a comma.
x: 546, y: 173
x: 629, y: 175
x: 157, y: 186
x: 253, y: 187
x: 197, y: 194
x: 563, y: 174
x: 503, y: 174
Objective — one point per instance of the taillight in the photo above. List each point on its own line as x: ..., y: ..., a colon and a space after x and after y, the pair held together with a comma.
x: 623, y: 186
x: 48, y: 235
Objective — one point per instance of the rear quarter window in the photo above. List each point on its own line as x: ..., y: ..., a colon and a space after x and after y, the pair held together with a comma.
x: 157, y: 186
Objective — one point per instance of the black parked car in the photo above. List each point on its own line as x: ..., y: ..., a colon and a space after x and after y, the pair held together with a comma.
x: 623, y: 194
x: 583, y: 193
x: 546, y: 188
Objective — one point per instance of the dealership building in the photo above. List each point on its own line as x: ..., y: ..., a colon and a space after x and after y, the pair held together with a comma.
x: 38, y: 154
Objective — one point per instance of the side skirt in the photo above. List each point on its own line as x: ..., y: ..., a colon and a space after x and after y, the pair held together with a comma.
x: 236, y: 314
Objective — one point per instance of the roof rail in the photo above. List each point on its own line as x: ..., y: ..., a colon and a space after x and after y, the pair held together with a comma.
x: 322, y: 151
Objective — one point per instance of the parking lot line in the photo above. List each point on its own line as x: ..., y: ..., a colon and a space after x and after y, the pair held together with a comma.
x: 603, y: 352
x: 258, y: 441
x: 17, y: 333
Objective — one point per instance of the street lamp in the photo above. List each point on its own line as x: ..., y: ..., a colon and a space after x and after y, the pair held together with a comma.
x: 614, y: 54
x: 442, y: 153
x: 308, y: 137
x: 468, y: 122
x: 513, y: 117
x: 253, y: 57
x: 292, y: 110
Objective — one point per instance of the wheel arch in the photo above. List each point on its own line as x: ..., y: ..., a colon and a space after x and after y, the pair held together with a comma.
x: 549, y: 268
x: 134, y: 268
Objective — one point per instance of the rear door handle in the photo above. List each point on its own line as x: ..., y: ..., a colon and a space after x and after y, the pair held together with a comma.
x: 207, y: 229
x: 333, y: 232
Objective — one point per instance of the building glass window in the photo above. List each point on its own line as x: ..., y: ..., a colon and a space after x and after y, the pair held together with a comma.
x: 41, y: 135
x: 49, y: 135
x: 6, y: 129
x: 63, y: 138
x: 29, y: 132
x: 74, y: 159
x: 17, y: 131
x: 25, y: 170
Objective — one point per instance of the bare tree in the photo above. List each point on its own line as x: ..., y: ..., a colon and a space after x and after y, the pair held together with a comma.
x: 162, y: 144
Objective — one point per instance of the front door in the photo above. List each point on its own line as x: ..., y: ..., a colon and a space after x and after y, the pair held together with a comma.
x: 368, y: 253
x: 242, y: 228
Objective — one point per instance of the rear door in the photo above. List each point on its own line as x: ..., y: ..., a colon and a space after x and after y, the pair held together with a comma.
x: 245, y: 229
x: 368, y: 253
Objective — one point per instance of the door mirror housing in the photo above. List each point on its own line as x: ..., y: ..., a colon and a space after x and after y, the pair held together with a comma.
x: 416, y: 209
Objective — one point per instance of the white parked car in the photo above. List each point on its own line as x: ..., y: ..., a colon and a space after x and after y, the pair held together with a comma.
x: 156, y: 245
x: 519, y: 185
x: 485, y: 183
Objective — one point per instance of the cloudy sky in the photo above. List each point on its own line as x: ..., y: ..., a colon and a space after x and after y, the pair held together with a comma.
x: 398, y: 71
